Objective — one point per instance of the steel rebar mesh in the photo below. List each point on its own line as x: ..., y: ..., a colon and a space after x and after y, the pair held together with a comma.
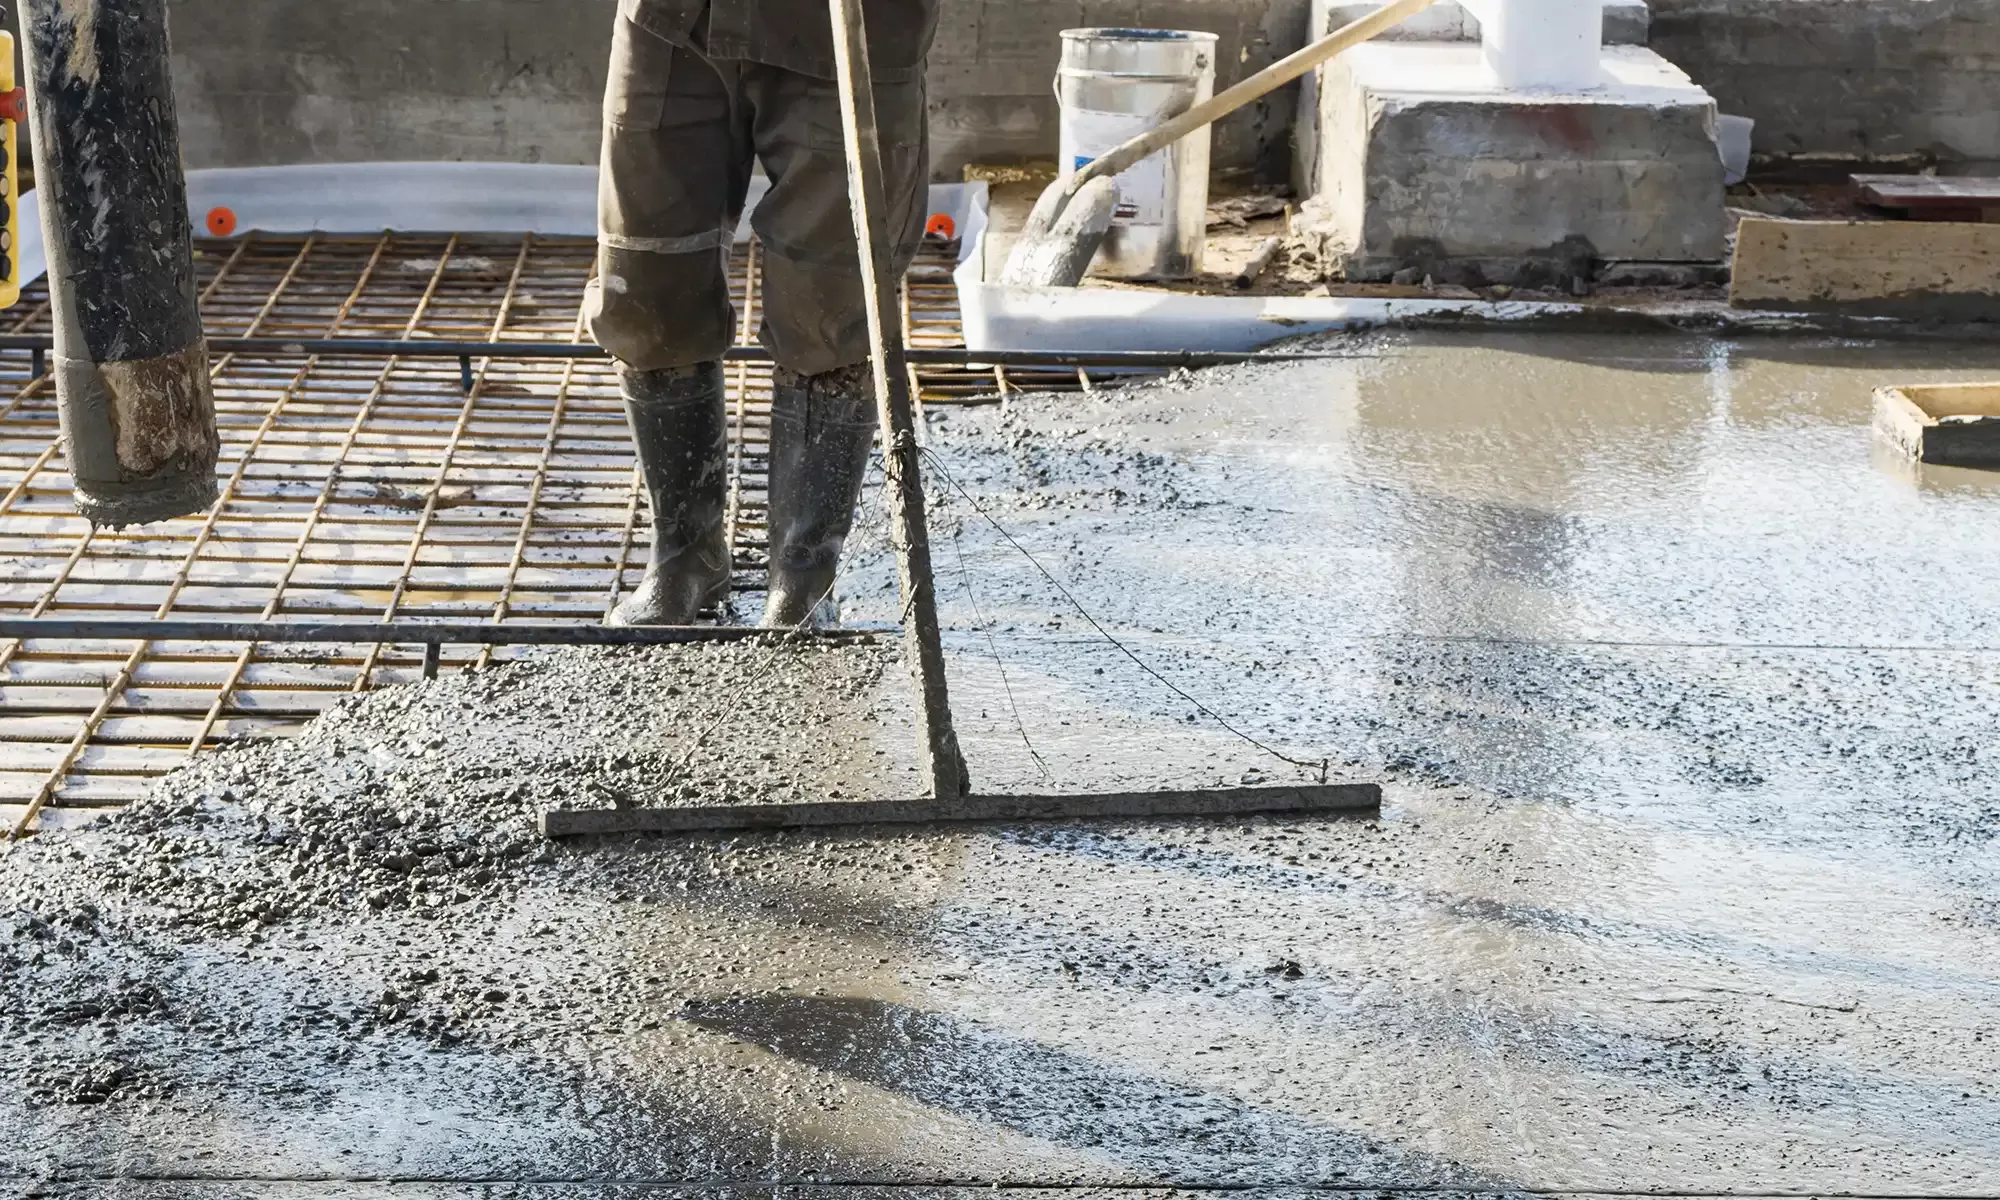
x: 352, y: 488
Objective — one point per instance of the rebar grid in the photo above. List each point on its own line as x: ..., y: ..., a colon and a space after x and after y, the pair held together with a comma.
x: 353, y: 489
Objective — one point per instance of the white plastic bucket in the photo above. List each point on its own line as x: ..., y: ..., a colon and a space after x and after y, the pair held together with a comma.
x: 1113, y: 85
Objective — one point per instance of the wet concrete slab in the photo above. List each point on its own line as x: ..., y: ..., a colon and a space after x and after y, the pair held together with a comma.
x: 1686, y: 883
x: 493, y: 1190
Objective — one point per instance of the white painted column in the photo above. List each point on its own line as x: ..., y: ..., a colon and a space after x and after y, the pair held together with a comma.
x: 1543, y: 45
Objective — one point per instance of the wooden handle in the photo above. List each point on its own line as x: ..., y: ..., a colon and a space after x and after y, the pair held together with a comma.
x: 1263, y: 83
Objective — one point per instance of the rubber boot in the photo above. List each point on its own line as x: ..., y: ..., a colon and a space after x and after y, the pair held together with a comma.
x: 681, y: 431
x: 822, y: 431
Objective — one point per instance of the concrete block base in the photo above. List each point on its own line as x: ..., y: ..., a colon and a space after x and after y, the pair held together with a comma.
x: 1418, y: 164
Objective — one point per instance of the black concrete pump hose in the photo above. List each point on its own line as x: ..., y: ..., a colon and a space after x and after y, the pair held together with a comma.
x: 131, y: 368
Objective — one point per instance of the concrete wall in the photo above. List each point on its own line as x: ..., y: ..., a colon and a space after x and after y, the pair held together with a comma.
x: 288, y: 81
x: 278, y: 81
x: 1870, y: 78
x: 283, y: 81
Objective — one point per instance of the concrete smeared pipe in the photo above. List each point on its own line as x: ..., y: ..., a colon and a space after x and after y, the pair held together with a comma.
x: 131, y: 368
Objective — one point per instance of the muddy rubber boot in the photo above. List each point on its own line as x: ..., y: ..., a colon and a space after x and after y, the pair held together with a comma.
x: 681, y: 431
x: 822, y: 431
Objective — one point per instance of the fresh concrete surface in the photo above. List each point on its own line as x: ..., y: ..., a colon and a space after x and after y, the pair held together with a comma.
x: 1839, y: 78
x: 1687, y: 882
x: 1418, y: 161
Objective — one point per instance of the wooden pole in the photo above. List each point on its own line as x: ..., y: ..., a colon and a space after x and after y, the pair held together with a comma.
x: 909, y: 531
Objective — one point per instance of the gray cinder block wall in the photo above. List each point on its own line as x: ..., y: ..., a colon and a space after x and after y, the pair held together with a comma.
x: 1865, y: 78
x: 282, y: 81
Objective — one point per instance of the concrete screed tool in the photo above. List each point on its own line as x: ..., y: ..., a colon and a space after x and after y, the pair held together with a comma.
x: 1070, y: 221
x: 923, y: 646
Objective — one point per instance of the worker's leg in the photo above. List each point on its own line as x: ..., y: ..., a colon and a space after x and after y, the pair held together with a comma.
x: 823, y: 403
x: 676, y: 164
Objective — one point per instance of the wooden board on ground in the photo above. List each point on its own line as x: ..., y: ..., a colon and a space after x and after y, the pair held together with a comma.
x: 1342, y: 799
x: 1955, y: 424
x: 1934, y: 197
x: 1923, y: 270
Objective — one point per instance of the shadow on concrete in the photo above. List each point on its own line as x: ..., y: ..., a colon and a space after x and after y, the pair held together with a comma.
x: 1161, y: 1128
x: 1917, y: 1110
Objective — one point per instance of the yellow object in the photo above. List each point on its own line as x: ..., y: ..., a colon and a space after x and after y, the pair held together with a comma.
x: 10, y: 169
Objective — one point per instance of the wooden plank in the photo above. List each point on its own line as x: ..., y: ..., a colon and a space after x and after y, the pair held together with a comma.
x: 1929, y: 191
x: 1340, y: 798
x: 1936, y: 271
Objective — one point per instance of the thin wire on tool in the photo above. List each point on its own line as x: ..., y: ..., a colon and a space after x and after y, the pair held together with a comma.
x: 1323, y: 766
x: 965, y: 576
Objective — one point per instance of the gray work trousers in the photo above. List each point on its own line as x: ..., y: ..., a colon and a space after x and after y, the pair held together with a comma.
x: 680, y: 134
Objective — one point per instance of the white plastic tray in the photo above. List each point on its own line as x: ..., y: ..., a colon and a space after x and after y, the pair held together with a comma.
x: 562, y: 201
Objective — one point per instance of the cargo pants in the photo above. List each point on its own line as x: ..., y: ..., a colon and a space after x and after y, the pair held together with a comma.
x: 681, y: 132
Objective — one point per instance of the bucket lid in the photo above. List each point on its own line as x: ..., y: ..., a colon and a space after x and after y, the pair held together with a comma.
x: 1142, y: 53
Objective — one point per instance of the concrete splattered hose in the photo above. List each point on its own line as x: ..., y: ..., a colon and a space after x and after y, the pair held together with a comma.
x: 131, y: 368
